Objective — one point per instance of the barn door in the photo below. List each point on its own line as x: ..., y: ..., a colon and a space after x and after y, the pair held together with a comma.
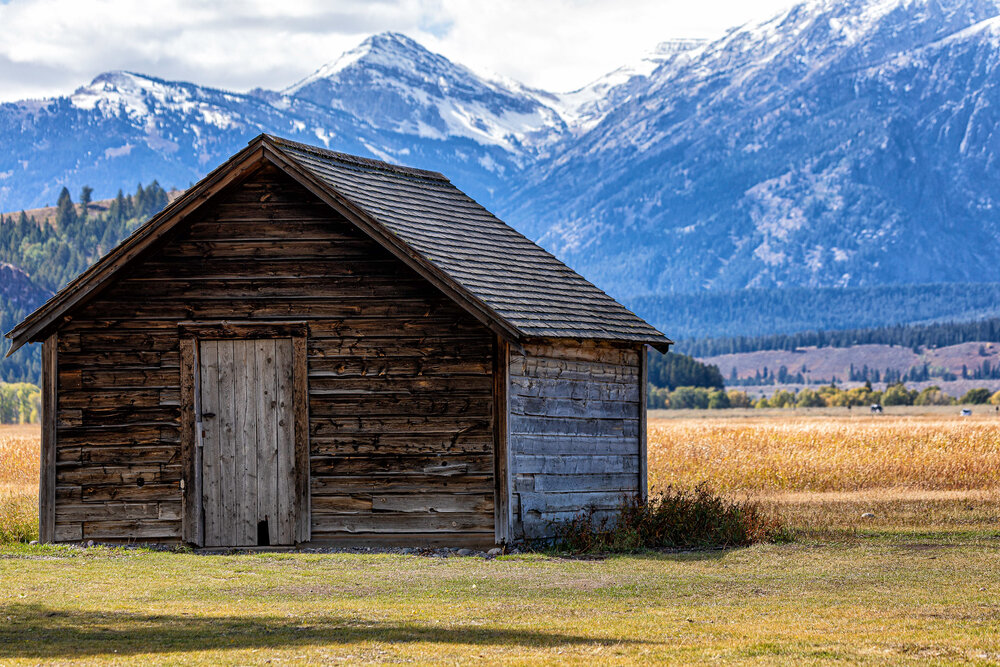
x: 246, y: 422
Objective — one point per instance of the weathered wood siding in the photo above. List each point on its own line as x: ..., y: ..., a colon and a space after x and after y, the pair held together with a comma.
x: 575, y: 413
x: 400, y: 378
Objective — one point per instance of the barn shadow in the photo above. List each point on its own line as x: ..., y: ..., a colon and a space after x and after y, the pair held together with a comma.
x: 673, y: 555
x: 31, y: 631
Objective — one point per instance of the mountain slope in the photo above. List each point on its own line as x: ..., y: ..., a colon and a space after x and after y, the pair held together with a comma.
x: 840, y: 143
x: 17, y: 292
x: 837, y: 144
x: 398, y: 85
x: 390, y: 98
x: 18, y: 297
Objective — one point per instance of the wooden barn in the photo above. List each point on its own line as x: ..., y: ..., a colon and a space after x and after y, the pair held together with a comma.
x: 311, y: 347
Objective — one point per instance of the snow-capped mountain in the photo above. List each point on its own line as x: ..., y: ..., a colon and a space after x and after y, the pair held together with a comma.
x: 586, y: 107
x: 388, y: 98
x: 400, y: 86
x: 839, y: 143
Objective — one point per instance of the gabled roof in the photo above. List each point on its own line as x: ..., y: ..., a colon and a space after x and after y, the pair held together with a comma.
x: 498, y: 275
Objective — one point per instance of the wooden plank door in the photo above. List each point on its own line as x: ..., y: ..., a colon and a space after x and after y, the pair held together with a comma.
x: 247, y: 441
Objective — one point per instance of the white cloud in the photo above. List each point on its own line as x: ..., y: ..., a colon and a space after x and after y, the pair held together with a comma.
x: 52, y: 46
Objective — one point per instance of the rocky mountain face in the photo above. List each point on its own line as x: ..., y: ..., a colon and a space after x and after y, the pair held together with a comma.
x: 840, y: 143
x: 389, y: 98
x: 398, y: 86
x: 17, y: 292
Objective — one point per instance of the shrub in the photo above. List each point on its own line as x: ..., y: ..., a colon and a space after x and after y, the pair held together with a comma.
x: 898, y: 394
x: 976, y: 396
x: 810, y: 399
x: 671, y: 519
x: 657, y: 397
x: 782, y: 399
x: 718, y: 400
x: 933, y: 396
x: 739, y: 399
x: 689, y: 397
x: 995, y: 399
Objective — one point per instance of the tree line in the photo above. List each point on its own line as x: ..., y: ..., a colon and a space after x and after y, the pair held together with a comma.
x: 830, y: 396
x: 765, y: 311
x: 53, y: 253
x: 914, y: 336
x: 672, y: 370
x: 20, y: 403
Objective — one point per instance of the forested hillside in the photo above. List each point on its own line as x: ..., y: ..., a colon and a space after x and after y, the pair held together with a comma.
x: 761, y: 312
x: 672, y: 370
x: 39, y: 256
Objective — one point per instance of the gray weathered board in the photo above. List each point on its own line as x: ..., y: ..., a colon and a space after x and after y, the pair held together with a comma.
x: 247, y: 439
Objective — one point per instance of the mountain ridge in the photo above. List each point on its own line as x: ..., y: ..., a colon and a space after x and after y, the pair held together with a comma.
x: 835, y: 144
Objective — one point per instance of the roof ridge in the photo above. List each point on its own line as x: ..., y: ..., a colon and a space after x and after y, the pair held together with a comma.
x: 359, y: 161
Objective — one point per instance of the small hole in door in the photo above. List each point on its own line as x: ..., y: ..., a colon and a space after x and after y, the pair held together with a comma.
x: 263, y: 540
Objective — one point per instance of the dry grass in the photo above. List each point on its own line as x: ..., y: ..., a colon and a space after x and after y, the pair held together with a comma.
x: 825, y: 472
x: 18, y: 483
x: 822, y: 471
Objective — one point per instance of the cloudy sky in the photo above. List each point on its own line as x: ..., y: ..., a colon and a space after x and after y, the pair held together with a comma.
x: 50, y: 47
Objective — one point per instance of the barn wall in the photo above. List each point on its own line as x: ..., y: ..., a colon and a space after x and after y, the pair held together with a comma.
x: 400, y: 378
x: 575, y: 416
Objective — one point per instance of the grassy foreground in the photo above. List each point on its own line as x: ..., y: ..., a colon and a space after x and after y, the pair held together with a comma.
x: 880, y: 601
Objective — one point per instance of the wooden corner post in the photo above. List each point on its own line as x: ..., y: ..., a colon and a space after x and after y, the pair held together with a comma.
x: 501, y: 446
x: 643, y: 383
x: 47, y: 469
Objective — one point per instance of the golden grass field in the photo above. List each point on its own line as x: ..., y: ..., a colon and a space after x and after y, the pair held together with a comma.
x: 818, y: 469
x: 18, y: 483
x: 823, y: 472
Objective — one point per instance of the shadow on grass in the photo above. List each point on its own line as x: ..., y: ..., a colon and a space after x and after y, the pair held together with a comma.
x: 40, y: 632
x: 678, y: 555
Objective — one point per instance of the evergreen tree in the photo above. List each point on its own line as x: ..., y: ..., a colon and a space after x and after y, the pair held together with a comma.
x: 86, y: 194
x: 673, y: 370
x: 65, y: 211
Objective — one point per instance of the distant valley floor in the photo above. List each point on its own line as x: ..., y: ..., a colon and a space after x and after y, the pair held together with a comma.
x: 821, y: 365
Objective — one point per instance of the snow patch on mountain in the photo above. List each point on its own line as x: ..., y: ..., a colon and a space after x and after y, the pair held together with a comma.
x: 400, y: 86
x: 584, y: 108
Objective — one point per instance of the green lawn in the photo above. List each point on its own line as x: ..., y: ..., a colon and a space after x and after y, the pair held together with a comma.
x: 877, y: 599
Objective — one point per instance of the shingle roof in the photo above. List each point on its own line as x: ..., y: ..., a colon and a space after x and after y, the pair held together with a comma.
x: 506, y: 280
x: 522, y: 283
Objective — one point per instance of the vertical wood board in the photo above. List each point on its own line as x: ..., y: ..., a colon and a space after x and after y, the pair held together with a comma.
x: 47, y: 463
x: 643, y: 462
x: 211, y: 453
x: 285, y: 440
x: 501, y: 410
x: 300, y: 378
x: 267, y: 438
x: 191, y: 493
x: 227, y: 445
